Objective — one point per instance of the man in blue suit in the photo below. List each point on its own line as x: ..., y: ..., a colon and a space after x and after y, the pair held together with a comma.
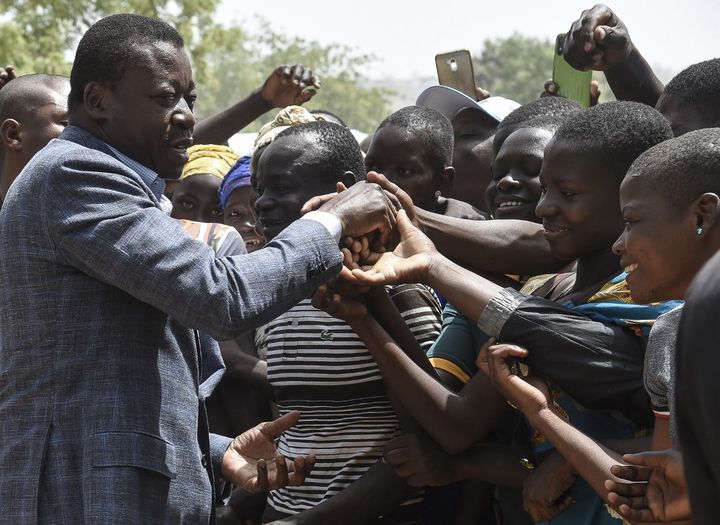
x: 101, y: 411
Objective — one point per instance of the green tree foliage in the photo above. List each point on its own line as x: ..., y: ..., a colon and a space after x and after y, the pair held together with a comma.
x: 237, y: 61
x: 229, y: 62
x: 515, y: 67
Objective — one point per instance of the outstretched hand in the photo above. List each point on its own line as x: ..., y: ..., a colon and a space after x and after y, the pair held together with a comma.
x: 409, y: 262
x: 598, y: 40
x: 252, y: 462
x: 290, y: 86
x: 654, y: 490
x: 529, y: 394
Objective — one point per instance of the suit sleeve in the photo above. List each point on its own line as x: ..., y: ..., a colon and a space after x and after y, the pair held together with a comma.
x: 105, y: 225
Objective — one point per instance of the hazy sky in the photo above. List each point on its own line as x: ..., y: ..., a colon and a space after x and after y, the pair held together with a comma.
x: 405, y: 36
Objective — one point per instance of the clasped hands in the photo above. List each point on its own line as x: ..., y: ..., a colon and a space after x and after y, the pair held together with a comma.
x: 381, y: 245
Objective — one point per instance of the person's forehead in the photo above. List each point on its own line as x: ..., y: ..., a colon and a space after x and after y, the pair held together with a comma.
x: 289, y: 154
x: 525, y: 140
x: 160, y: 61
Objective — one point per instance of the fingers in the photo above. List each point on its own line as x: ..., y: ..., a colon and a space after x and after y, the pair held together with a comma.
x: 481, y: 94
x: 273, y: 429
x: 482, y: 361
x: 631, y: 473
x: 370, y: 277
x: 340, y: 187
x: 397, y: 457
x: 405, y: 201
x: 650, y: 459
x: 281, y: 472
x: 594, y: 92
x: 261, y: 482
x: 627, y: 490
x: 300, y: 469
x: 549, y: 89
x: 315, y: 203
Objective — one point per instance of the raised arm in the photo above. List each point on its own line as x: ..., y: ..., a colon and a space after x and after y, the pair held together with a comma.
x: 599, y: 40
x: 286, y: 86
x: 508, y: 246
x: 590, y: 459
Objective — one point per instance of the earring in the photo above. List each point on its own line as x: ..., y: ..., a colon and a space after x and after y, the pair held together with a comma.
x: 438, y: 193
x: 699, y: 230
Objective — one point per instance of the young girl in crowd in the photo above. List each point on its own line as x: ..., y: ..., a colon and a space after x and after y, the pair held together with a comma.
x: 235, y: 196
x: 196, y: 197
x: 587, y: 334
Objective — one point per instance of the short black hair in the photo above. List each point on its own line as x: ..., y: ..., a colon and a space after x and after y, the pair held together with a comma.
x: 431, y: 128
x: 683, y: 168
x: 619, y: 131
x: 340, y: 150
x: 23, y: 95
x: 111, y: 46
x: 544, y: 113
x: 698, y: 86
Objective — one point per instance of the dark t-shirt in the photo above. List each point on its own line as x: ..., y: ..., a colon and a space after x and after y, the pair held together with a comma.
x: 697, y: 392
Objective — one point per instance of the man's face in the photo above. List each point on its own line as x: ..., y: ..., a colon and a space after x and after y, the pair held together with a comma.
x: 289, y: 173
x: 148, y: 113
x: 47, y: 121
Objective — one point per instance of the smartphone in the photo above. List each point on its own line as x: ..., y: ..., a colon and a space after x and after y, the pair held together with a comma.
x: 571, y: 83
x: 455, y: 70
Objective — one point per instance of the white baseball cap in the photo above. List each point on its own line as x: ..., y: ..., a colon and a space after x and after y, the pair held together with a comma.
x: 449, y: 102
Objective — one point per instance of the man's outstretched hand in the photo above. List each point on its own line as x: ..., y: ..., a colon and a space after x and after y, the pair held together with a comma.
x: 362, y: 209
x: 655, y: 489
x: 252, y: 462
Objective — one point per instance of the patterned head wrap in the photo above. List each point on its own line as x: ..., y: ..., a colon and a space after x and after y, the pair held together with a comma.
x: 237, y: 177
x: 290, y: 116
x: 208, y: 159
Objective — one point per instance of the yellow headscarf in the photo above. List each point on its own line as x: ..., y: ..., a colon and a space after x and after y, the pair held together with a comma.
x: 209, y: 159
x: 290, y: 116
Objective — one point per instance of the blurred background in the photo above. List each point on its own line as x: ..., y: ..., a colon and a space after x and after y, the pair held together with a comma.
x: 373, y: 56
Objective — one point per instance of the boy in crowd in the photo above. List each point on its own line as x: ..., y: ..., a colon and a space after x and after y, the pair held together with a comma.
x: 347, y: 414
x: 413, y: 148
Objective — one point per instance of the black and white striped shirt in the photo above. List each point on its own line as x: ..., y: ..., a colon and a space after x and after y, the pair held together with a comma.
x: 318, y: 365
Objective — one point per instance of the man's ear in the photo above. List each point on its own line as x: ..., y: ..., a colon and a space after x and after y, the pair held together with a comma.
x: 705, y: 209
x: 10, y: 133
x: 348, y: 179
x: 446, y: 178
x: 96, y: 98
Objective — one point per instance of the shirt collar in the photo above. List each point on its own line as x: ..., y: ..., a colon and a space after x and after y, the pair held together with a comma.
x: 149, y: 177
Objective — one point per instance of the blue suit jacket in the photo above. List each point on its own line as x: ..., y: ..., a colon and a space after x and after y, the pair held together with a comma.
x: 99, y: 365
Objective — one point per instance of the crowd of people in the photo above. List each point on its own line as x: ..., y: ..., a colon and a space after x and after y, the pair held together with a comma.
x: 475, y: 316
